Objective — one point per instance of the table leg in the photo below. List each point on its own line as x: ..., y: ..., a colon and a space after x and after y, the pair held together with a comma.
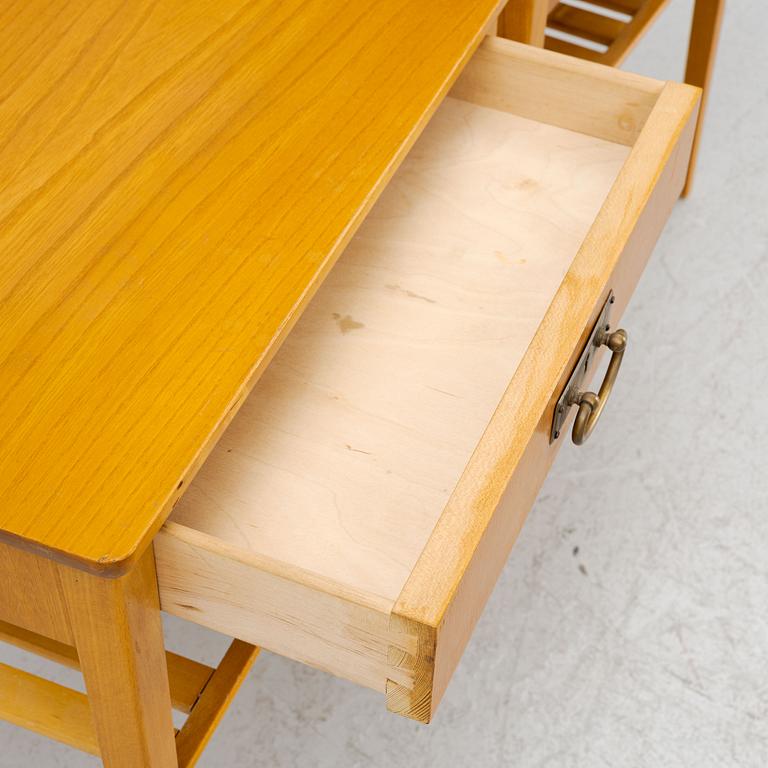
x: 119, y: 639
x: 705, y: 30
x: 524, y: 21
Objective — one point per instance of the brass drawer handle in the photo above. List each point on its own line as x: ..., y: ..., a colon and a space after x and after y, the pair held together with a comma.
x: 590, y: 404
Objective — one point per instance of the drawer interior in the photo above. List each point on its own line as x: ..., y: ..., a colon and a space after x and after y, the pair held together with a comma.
x: 345, y: 453
x: 340, y: 463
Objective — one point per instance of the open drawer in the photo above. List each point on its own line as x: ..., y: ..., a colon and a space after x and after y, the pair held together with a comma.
x: 357, y: 512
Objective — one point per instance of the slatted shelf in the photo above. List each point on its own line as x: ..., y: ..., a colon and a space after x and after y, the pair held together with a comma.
x: 60, y: 713
x: 596, y: 35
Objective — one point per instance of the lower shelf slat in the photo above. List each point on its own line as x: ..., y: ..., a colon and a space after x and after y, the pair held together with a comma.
x: 64, y: 715
x: 590, y: 26
x: 629, y: 7
x: 186, y: 677
x: 47, y: 708
x: 571, y: 49
x: 192, y: 739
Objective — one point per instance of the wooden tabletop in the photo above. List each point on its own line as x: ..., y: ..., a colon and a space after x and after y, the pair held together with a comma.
x: 176, y: 178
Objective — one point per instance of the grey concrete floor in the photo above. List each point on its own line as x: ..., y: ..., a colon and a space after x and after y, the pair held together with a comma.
x: 630, y: 625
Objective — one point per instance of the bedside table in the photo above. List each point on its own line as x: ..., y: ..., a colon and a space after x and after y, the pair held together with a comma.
x: 299, y: 302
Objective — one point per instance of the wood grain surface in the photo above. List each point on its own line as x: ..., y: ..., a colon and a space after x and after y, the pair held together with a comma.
x: 118, y: 634
x: 702, y: 48
x: 47, y: 708
x: 458, y: 567
x: 176, y: 178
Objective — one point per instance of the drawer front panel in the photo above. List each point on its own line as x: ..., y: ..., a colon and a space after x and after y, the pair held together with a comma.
x: 460, y: 565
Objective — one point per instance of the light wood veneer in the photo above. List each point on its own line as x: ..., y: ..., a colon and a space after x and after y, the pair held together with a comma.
x: 342, y: 460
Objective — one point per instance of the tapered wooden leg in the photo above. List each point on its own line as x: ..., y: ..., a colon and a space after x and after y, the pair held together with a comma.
x: 119, y: 639
x: 524, y: 21
x: 705, y: 31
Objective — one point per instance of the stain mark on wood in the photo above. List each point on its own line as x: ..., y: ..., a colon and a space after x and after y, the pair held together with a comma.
x: 527, y: 184
x: 441, y: 391
x: 357, y: 450
x: 347, y: 323
x: 410, y: 294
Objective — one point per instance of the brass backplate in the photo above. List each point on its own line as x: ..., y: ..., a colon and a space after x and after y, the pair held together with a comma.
x: 583, y: 367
